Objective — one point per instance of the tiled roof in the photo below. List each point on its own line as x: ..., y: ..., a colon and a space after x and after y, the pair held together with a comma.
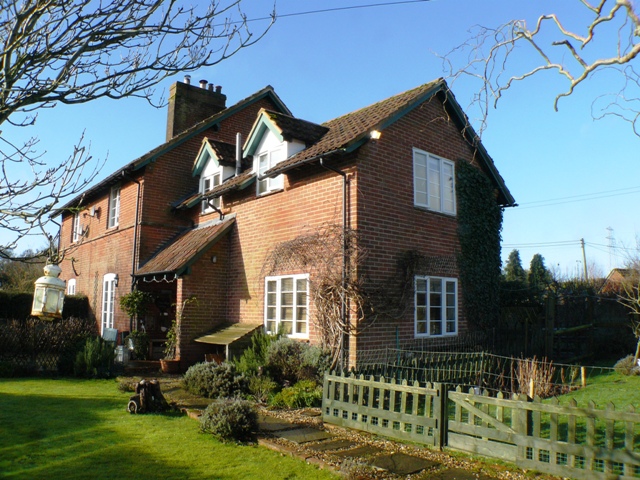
x: 174, y: 142
x: 185, y: 249
x: 355, y: 126
x: 226, y: 152
x: 296, y: 129
x: 237, y: 182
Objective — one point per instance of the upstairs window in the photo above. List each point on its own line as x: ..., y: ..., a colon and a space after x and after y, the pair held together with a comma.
x: 436, y: 306
x: 71, y: 286
x: 433, y: 182
x: 286, y: 305
x: 267, y: 160
x: 77, y: 228
x: 207, y: 184
x: 114, y: 207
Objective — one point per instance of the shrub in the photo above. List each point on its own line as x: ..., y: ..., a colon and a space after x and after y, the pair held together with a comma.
x: 288, y: 361
x: 230, y: 419
x: 261, y: 388
x: 253, y: 358
x: 305, y: 393
x: 627, y: 366
x: 214, y: 381
x: 96, y: 359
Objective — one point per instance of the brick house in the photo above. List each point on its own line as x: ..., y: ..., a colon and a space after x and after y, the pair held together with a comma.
x: 257, y: 213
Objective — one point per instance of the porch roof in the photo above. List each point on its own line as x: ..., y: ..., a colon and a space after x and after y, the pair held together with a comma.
x: 228, y: 334
x: 185, y: 250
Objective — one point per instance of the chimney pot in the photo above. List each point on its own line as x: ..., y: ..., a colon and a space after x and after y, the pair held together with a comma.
x: 187, y: 79
x: 210, y: 87
x: 203, y: 84
x: 219, y: 89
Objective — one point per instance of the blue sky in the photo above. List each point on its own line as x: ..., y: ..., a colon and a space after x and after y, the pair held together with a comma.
x: 326, y: 64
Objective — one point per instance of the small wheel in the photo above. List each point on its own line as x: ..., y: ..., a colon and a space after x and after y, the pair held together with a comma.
x: 132, y: 407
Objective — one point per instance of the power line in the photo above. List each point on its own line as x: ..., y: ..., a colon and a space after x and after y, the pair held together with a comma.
x: 579, y: 198
x: 328, y: 10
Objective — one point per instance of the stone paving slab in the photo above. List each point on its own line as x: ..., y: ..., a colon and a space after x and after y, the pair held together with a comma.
x: 402, y: 464
x: 459, y: 474
x: 338, y: 444
x: 362, y: 451
x: 303, y: 435
x: 267, y: 423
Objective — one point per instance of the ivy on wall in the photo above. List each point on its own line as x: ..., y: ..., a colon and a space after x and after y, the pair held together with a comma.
x: 479, y: 230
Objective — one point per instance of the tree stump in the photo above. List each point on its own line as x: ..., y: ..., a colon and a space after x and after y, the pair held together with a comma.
x: 148, y: 398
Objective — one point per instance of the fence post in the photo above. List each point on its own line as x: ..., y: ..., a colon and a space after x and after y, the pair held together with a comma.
x: 441, y: 416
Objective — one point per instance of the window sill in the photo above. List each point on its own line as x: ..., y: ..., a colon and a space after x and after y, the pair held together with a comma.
x: 425, y: 335
x: 270, y: 192
x: 426, y: 209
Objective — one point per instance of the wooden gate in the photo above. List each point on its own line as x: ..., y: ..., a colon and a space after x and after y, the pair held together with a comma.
x: 564, y: 440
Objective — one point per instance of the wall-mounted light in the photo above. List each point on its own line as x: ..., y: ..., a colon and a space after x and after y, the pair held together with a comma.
x: 48, y: 296
x: 375, y: 134
x: 214, y: 259
x: 115, y: 280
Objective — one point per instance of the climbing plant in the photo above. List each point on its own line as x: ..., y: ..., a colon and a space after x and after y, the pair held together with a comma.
x: 479, y: 230
x: 322, y: 252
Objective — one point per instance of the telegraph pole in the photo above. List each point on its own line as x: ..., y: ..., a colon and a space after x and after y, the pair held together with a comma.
x: 584, y: 260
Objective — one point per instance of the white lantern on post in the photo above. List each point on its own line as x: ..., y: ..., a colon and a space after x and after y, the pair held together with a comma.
x: 49, y: 294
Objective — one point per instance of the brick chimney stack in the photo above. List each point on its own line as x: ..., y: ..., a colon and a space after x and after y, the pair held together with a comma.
x: 190, y: 104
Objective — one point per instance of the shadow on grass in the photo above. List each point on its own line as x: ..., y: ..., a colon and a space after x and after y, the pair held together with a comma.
x: 57, y: 436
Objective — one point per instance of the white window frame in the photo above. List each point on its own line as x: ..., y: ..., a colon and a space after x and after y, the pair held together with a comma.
x: 266, y: 160
x: 109, y: 284
x: 207, y: 184
x: 114, y: 207
x: 275, y: 305
x: 77, y: 228
x: 434, y: 182
x: 435, y: 312
x: 71, y: 286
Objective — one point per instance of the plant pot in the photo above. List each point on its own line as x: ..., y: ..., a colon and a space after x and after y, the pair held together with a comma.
x: 170, y: 366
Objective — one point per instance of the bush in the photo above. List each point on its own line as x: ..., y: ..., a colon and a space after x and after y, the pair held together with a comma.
x: 288, y: 361
x: 214, y: 381
x: 230, y: 419
x: 261, y: 388
x: 627, y: 366
x: 305, y: 393
x: 96, y: 359
x: 253, y: 358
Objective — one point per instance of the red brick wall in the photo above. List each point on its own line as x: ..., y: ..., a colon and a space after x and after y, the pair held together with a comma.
x: 388, y: 222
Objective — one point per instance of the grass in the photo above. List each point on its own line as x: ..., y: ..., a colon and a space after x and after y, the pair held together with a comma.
x: 604, y: 386
x: 69, y: 428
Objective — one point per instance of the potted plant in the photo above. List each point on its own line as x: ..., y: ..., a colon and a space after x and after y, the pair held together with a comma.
x: 171, y: 364
x: 135, y: 304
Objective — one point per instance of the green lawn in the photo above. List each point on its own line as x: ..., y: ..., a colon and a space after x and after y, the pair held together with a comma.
x: 604, y: 386
x: 67, y: 428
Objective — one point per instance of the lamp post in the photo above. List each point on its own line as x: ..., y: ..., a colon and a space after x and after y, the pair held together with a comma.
x: 49, y: 293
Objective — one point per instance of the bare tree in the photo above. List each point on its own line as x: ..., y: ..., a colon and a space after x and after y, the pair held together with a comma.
x: 55, y: 52
x: 495, y: 56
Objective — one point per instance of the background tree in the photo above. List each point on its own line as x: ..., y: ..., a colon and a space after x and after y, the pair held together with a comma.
x: 513, y: 271
x: 75, y: 52
x: 19, y: 276
x: 539, y: 277
x: 494, y: 56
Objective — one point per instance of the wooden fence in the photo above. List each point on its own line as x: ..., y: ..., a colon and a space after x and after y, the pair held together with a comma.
x: 565, y: 440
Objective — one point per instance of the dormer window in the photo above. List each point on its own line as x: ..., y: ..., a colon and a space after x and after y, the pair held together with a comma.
x: 266, y: 160
x: 214, y: 164
x: 207, y: 184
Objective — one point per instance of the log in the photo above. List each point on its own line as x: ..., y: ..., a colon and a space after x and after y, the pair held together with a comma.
x: 148, y: 398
